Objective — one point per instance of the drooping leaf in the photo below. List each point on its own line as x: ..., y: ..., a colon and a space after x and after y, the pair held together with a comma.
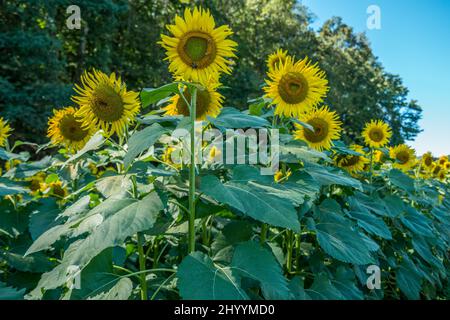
x: 401, y: 180
x: 337, y: 238
x: 234, y: 119
x: 79, y: 224
x: 113, y: 185
x: 323, y: 289
x: 331, y: 176
x: 408, y: 281
x: 136, y: 217
x: 257, y: 204
x: 8, y: 187
x: 141, y: 141
x: 122, y: 290
x: 372, y: 224
x: 43, y: 217
x: 417, y: 222
x: 200, y: 279
x: 29, y: 169
x: 8, y: 293
x: 153, y: 95
x: 12, y: 222
x: 257, y: 262
x: 95, y: 142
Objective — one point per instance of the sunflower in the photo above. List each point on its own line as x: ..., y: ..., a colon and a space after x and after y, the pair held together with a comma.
x: 442, y: 175
x: 209, y: 101
x: 442, y: 160
x: 403, y: 156
x: 353, y: 163
x: 198, y: 49
x: 436, y: 168
x: 105, y: 103
x: 379, y: 156
x: 276, y: 59
x: 64, y: 128
x: 447, y: 165
x: 5, y: 132
x: 427, y: 160
x: 296, y: 87
x: 326, y: 127
x: 376, y: 134
x: 281, y: 175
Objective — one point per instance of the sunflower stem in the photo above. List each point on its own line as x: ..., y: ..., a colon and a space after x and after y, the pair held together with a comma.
x: 289, y: 251
x: 143, y: 278
x: 264, y: 229
x: 371, y: 165
x: 191, y: 236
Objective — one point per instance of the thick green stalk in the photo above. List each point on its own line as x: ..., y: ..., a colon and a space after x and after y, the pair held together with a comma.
x: 371, y: 165
x: 289, y: 251
x: 263, y: 236
x: 297, y: 251
x: 142, y: 276
x: 191, y: 240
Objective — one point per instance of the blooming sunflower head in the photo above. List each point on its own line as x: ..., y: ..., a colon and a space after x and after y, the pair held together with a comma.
x: 447, y: 165
x: 353, y: 163
x: 326, y: 127
x: 436, y: 168
x: 442, y: 175
x: 66, y: 129
x: 276, y: 59
x: 427, y: 160
x: 105, y: 103
x: 442, y: 160
x: 208, y: 101
x: 197, y: 48
x: 296, y: 87
x: 5, y: 132
x: 403, y: 156
x: 376, y: 134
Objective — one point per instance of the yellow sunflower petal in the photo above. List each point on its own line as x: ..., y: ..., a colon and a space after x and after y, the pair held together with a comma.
x: 326, y: 126
x: 65, y: 129
x: 5, y: 132
x: 197, y: 49
x: 376, y: 134
x: 105, y: 103
x: 403, y: 156
x: 209, y: 101
x: 296, y: 87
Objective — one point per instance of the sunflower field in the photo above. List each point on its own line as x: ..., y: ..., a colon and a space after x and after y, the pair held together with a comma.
x: 126, y: 202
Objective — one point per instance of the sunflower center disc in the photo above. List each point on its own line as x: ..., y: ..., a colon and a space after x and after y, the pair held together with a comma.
x: 376, y: 135
x: 203, y: 102
x: 437, y: 170
x: 350, y: 161
x: 403, y: 157
x: 71, y: 128
x: 197, y: 49
x: 293, y: 87
x: 320, y: 132
x: 107, y: 104
x: 428, y: 161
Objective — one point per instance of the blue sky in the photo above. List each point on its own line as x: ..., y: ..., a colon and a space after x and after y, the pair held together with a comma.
x: 414, y: 42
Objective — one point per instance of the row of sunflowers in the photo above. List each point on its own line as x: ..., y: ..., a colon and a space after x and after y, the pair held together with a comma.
x: 112, y: 204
